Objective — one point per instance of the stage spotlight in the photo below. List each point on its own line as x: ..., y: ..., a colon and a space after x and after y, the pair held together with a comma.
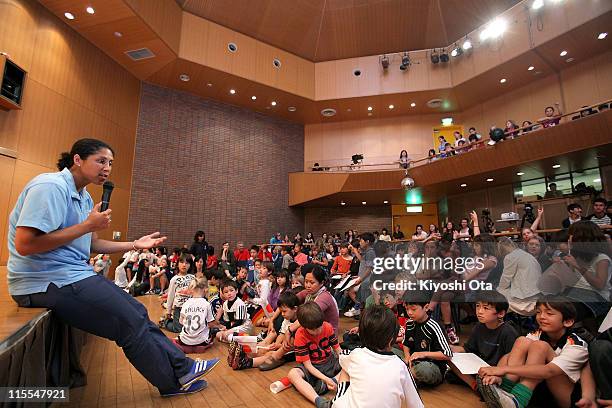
x: 444, y: 56
x: 467, y: 44
x: 435, y: 58
x: 384, y: 61
x: 457, y: 51
x: 357, y: 158
x: 405, y: 62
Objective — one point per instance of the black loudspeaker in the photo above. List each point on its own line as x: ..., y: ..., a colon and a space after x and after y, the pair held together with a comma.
x: 11, y: 84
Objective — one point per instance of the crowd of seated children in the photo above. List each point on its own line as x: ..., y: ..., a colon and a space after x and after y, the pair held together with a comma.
x: 233, y: 315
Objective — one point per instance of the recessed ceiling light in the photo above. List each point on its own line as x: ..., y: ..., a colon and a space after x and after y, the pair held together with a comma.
x: 232, y: 91
x: 209, y: 84
x: 90, y: 10
x: 531, y: 68
x: 597, y: 180
x: 363, y: 202
x: 601, y: 36
x: 463, y: 185
x: 570, y: 59
x: 118, y: 34
x: 563, y: 53
x: 520, y: 173
x: 489, y: 180
x: 253, y: 97
x: 184, y: 77
x: 537, y: 4
x: 69, y: 16
x: 348, y: 109
x: 370, y: 108
x: 342, y: 203
x: 502, y: 81
x: 412, y: 105
x: 556, y: 166
x: 391, y: 106
x: 291, y: 108
x: 385, y: 202
x: 273, y: 103
x: 369, y: 113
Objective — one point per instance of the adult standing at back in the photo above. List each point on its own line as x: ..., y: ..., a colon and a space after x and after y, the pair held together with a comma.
x: 199, y: 248
x: 52, y: 230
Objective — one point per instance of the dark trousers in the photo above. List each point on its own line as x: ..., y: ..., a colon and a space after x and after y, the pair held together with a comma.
x: 600, y: 356
x: 98, y: 306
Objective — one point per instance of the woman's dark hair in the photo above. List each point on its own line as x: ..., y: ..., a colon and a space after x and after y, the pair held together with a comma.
x: 84, y: 148
x: 432, y: 152
x: 317, y: 272
x: 402, y: 154
x: 378, y: 328
x: 199, y: 234
x: 587, y: 240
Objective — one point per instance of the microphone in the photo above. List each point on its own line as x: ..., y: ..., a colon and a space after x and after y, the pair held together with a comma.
x: 107, y: 188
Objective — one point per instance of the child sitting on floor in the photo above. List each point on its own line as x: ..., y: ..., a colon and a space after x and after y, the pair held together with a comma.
x: 316, y: 348
x: 238, y: 359
x: 196, y: 318
x: 372, y: 376
x: 233, y: 315
x: 554, y: 354
x: 426, y: 349
x: 177, y: 294
x: 491, y: 338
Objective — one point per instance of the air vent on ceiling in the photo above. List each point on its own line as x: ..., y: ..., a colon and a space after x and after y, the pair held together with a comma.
x: 434, y: 103
x: 328, y: 112
x: 140, y: 54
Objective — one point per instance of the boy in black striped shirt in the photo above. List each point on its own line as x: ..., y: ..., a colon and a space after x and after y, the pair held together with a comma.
x: 426, y: 350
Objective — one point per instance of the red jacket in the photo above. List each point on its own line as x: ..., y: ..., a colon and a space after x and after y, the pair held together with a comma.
x: 242, y: 255
x: 264, y: 256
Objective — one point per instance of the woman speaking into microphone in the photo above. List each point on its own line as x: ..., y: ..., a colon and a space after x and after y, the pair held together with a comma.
x: 52, y: 231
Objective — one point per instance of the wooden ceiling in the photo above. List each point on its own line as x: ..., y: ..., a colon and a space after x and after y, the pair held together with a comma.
x: 322, y: 30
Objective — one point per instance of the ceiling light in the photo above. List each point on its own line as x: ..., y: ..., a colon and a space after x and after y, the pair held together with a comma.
x: 273, y: 103
x: 494, y: 29
x: 520, y: 192
x: 531, y: 68
x: 90, y: 10
x: 232, y: 91
x: 412, y: 105
x: 570, y: 59
x: 520, y: 173
x: 597, y: 180
x: 369, y: 108
x: 369, y: 113
x: 457, y: 51
x: 391, y: 106
x: 184, y: 77
x: 363, y: 202
x: 385, y: 202
x: 563, y: 53
x: 489, y: 180
x: 69, y: 16
x: 384, y: 61
x: 602, y: 36
x: 209, y: 84
x: 342, y: 203
x: 253, y: 97
x: 447, y: 121
x: 537, y: 4
x: 502, y: 81
x: 467, y: 44
x: 291, y: 109
x: 556, y: 166
x: 463, y: 185
x: 444, y: 56
x: 118, y: 34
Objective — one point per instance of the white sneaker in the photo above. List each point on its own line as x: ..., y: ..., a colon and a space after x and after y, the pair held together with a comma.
x: 352, y: 313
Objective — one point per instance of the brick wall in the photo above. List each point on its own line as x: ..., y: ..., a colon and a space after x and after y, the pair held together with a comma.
x: 341, y: 219
x: 201, y: 164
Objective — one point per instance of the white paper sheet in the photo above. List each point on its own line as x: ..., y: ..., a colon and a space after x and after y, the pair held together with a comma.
x: 468, y: 363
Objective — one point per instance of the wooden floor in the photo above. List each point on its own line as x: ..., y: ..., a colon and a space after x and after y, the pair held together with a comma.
x: 113, y: 382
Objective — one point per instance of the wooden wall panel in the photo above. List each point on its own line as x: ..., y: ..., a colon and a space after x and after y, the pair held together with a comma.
x: 164, y: 17
x: 73, y: 91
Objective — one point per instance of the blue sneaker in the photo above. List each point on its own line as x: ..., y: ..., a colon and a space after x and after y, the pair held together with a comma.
x: 195, y: 386
x: 199, y: 369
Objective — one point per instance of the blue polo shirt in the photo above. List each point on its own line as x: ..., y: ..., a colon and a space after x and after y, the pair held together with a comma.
x: 49, y: 202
